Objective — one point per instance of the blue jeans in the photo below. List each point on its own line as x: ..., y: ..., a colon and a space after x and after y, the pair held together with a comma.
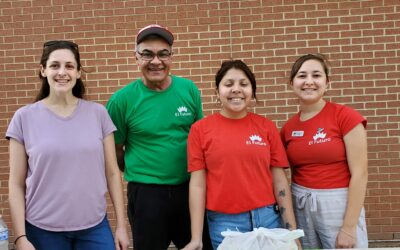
x: 98, y: 237
x: 244, y: 222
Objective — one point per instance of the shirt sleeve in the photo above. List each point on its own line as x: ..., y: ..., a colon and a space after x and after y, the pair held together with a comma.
x: 278, y: 153
x: 116, y: 111
x: 106, y: 122
x: 283, y: 136
x: 348, y: 118
x: 15, y: 130
x: 196, y: 160
x: 197, y: 100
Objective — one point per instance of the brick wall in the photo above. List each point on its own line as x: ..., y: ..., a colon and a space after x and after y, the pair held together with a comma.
x: 361, y: 38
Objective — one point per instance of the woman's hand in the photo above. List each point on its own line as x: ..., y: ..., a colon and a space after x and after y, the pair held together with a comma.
x: 24, y: 244
x: 298, y: 243
x: 193, y: 245
x: 346, y: 239
x: 121, y: 239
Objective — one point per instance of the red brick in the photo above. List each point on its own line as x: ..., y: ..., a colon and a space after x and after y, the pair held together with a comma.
x: 379, y: 236
x: 360, y: 37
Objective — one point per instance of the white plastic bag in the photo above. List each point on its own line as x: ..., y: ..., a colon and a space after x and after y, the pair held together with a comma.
x: 261, y: 239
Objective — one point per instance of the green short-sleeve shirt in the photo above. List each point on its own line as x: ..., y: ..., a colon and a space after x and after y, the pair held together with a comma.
x: 153, y: 126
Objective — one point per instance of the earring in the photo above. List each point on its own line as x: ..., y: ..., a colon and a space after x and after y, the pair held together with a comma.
x: 218, y: 102
x: 325, y: 92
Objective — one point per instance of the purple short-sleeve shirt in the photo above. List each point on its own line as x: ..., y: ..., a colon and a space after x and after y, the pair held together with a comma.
x: 66, y: 183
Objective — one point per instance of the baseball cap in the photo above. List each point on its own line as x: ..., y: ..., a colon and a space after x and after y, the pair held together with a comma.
x: 155, y: 29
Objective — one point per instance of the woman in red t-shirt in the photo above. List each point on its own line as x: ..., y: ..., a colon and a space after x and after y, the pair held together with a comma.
x: 237, y: 161
x: 326, y: 144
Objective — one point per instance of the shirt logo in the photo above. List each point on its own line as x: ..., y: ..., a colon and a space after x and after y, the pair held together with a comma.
x: 319, y: 137
x: 255, y: 140
x: 182, y: 111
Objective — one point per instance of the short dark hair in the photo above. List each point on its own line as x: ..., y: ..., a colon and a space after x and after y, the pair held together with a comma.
x: 236, y: 64
x: 48, y: 47
x: 299, y: 62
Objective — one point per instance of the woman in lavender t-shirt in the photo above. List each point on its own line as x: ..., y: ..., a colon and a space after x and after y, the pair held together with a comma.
x: 62, y: 162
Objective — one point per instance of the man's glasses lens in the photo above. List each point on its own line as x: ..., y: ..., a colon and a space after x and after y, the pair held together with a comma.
x: 163, y: 55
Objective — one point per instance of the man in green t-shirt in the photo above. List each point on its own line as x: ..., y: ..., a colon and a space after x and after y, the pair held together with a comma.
x: 153, y: 116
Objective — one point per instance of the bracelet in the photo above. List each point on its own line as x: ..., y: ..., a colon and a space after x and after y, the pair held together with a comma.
x: 348, y: 234
x: 19, y: 237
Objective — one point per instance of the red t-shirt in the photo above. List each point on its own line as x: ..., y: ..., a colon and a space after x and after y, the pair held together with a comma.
x: 237, y: 155
x: 316, y: 149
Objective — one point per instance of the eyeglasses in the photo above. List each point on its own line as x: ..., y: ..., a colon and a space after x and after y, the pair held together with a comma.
x: 162, y: 55
x: 60, y: 43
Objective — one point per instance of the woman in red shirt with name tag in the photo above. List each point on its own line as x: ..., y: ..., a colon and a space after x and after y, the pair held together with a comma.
x: 326, y: 144
x: 237, y: 162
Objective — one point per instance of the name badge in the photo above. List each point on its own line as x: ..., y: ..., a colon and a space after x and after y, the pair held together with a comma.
x: 297, y: 133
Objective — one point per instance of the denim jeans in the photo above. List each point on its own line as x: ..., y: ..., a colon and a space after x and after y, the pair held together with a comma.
x: 244, y: 222
x: 98, y: 237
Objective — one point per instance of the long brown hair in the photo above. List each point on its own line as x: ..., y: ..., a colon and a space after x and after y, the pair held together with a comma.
x: 48, y: 47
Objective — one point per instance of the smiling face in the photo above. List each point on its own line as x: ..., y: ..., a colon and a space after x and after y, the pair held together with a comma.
x: 155, y: 72
x: 61, y: 71
x: 235, y: 93
x: 310, y: 82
